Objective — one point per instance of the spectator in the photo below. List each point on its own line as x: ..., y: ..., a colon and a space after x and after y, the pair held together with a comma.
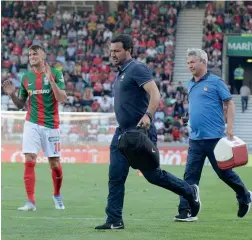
x: 78, y: 44
x: 238, y: 77
x: 159, y: 124
x: 245, y: 93
x: 105, y: 104
x: 95, y: 106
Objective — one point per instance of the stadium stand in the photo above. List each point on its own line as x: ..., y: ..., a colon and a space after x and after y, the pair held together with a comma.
x: 235, y: 19
x: 78, y: 44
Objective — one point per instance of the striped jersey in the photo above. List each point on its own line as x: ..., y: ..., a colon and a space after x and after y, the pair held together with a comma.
x: 42, y: 106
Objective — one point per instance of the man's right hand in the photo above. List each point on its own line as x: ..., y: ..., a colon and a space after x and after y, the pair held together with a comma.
x: 8, y: 87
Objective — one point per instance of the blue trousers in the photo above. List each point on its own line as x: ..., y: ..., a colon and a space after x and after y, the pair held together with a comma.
x: 198, y: 151
x: 118, y: 172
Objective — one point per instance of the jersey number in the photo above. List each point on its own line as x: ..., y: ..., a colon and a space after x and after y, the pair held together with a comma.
x: 57, y: 146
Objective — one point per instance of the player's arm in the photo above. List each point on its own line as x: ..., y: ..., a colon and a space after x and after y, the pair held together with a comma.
x: 226, y: 97
x: 57, y: 84
x: 151, y: 88
x: 59, y: 94
x: 230, y: 106
x: 143, y: 77
x: 10, y: 89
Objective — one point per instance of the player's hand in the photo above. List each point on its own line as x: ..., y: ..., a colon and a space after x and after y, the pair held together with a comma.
x: 230, y: 132
x: 144, y: 122
x: 48, y: 72
x: 8, y: 87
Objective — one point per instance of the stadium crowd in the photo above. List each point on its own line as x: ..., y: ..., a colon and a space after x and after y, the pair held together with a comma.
x: 78, y: 44
x: 235, y: 18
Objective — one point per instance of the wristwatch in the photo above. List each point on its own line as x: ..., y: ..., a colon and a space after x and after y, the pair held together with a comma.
x: 149, y: 115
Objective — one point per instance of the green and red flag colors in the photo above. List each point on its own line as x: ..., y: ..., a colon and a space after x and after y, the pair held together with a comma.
x: 42, y: 106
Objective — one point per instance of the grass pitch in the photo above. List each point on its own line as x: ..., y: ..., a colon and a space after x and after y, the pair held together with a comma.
x: 148, y: 210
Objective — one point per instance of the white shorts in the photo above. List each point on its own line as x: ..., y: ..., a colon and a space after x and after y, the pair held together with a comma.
x: 36, y: 137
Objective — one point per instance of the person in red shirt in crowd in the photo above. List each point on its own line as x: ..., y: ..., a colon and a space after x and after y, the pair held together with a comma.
x: 219, y: 20
x: 104, y: 68
x: 237, y: 18
x: 97, y: 60
x: 85, y: 67
x: 95, y: 106
x: 151, y: 43
x: 98, y: 88
x: 176, y: 134
x: 217, y: 45
x: 154, y: 8
x: 100, y: 9
x: 219, y: 36
x: 17, y: 49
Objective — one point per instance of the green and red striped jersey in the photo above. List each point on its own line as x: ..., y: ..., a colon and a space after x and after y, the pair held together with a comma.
x: 42, y: 106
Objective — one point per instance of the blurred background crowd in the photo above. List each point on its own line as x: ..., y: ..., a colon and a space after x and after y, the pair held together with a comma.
x: 78, y: 44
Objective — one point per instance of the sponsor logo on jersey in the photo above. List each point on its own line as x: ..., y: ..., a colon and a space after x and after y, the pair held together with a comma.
x: 46, y: 81
x: 61, y: 79
x: 53, y: 139
x: 41, y: 91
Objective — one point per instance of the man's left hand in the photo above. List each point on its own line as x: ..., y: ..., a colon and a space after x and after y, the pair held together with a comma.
x: 48, y: 72
x: 144, y: 122
x: 230, y: 132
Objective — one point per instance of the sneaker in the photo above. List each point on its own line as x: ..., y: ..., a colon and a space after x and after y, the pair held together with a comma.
x: 107, y: 226
x: 59, y: 205
x: 244, y: 208
x: 29, y: 206
x: 185, y: 216
x: 195, y: 205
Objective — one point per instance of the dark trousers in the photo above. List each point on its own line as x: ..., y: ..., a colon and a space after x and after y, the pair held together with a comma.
x: 118, y: 172
x: 244, y: 100
x: 238, y: 85
x: 198, y: 151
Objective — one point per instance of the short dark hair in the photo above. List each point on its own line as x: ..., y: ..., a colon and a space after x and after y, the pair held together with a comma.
x: 36, y: 47
x: 125, y: 40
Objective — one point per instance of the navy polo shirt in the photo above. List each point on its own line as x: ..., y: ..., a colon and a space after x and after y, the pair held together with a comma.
x: 131, y: 100
x: 206, y: 116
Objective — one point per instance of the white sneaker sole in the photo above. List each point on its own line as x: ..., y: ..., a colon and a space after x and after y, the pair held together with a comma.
x: 27, y: 209
x: 190, y: 219
x: 198, y: 196
x: 249, y: 205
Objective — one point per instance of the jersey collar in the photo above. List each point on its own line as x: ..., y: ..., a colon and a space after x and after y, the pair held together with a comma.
x: 125, y: 65
x: 202, y: 78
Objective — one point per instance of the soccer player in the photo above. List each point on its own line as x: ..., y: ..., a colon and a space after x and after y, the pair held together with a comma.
x: 44, y: 88
x: 207, y: 93
x: 136, y: 100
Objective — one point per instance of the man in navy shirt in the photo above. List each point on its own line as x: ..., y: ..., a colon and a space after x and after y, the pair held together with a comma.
x: 207, y: 93
x: 136, y: 100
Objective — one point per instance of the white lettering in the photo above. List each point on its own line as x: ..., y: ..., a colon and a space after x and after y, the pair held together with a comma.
x: 44, y: 91
x: 240, y: 46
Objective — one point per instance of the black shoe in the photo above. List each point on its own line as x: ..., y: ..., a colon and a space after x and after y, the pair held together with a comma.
x: 195, y: 204
x: 185, y: 216
x: 112, y: 226
x: 244, y: 208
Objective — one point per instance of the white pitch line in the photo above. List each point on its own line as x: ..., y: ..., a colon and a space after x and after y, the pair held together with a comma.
x: 86, y: 219
x: 126, y: 219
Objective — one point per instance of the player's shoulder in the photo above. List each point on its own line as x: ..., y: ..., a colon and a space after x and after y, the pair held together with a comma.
x: 214, y: 77
x: 139, y: 65
x: 55, y: 71
x: 26, y: 75
x: 58, y: 75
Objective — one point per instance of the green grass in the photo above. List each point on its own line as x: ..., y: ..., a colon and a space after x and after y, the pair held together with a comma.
x: 148, y: 210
